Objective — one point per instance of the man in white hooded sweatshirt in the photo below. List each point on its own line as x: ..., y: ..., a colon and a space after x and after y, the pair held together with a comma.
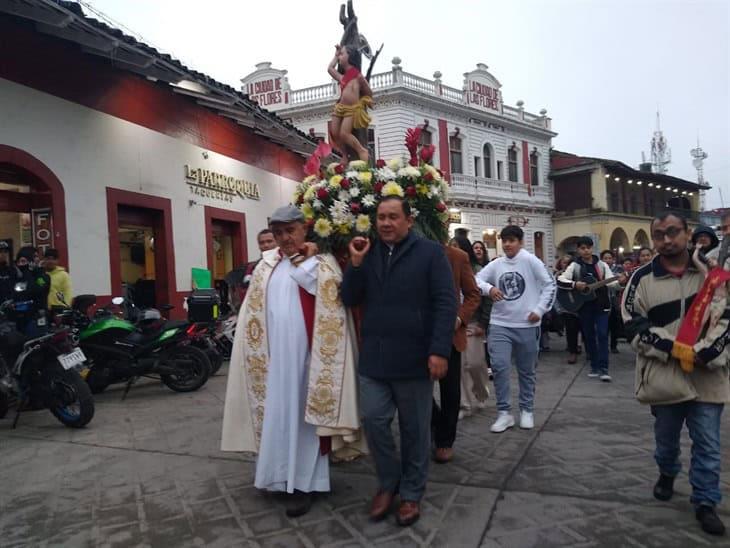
x: 523, y: 291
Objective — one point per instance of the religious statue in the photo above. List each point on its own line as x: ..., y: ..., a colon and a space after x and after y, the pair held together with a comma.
x: 350, y: 113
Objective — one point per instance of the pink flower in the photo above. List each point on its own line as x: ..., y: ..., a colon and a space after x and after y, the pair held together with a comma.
x: 322, y: 194
x: 380, y: 164
x: 339, y: 169
x: 355, y: 208
x: 411, y: 191
x: 440, y: 207
x: 345, y: 183
x: 378, y: 187
x: 427, y: 153
x: 428, y: 177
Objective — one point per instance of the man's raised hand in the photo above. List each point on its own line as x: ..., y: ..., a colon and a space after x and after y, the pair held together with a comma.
x: 358, y: 248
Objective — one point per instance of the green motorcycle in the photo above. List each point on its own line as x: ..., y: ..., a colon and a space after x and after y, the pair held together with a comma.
x: 121, y: 351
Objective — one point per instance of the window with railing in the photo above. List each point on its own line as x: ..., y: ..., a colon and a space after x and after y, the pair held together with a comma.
x: 487, y: 155
x: 455, y: 154
x: 534, y: 175
x: 500, y: 170
x: 512, y: 164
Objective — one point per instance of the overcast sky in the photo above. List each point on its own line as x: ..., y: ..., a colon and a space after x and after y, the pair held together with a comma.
x: 601, y: 68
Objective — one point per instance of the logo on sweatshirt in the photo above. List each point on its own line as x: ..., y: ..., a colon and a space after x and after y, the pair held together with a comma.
x: 512, y: 285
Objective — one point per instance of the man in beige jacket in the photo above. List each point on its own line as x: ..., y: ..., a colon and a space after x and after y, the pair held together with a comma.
x: 654, y: 304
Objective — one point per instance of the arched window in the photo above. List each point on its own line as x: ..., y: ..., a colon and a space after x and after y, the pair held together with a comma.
x: 487, y: 156
x: 455, y: 154
x: 512, y: 164
x: 534, y: 175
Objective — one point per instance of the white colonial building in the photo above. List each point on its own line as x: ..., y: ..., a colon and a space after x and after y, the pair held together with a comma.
x: 495, y: 156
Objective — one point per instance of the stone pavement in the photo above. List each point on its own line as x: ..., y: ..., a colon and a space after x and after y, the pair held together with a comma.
x: 147, y: 472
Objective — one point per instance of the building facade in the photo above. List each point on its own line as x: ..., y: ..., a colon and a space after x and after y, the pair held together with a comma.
x: 136, y: 168
x: 496, y: 157
x: 614, y: 203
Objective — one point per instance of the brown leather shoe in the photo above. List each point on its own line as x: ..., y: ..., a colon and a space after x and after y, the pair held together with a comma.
x: 443, y: 455
x: 408, y: 513
x: 380, y: 507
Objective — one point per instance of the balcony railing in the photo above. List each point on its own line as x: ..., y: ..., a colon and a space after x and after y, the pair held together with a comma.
x: 398, y: 78
x: 690, y: 215
x: 468, y: 187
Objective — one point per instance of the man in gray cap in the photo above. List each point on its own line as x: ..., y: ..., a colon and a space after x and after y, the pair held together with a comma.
x: 288, y: 396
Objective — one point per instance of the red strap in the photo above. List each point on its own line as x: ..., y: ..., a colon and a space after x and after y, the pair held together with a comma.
x: 351, y: 74
x: 307, y: 301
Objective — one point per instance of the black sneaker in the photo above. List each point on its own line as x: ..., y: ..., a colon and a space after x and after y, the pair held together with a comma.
x: 709, y: 521
x: 664, y: 488
x: 298, y: 504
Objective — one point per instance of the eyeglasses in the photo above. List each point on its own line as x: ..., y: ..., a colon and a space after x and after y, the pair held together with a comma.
x: 671, y: 233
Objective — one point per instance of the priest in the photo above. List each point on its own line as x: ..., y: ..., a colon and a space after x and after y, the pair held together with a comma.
x: 292, y: 390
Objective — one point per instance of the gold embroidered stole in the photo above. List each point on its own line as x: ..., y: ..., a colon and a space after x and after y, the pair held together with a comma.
x: 331, y: 403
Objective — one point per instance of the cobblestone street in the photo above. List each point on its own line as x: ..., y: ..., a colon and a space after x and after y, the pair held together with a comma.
x: 147, y: 472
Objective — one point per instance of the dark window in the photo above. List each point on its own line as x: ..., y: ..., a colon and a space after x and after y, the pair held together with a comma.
x: 512, y: 164
x: 371, y: 143
x: 500, y: 170
x: 477, y: 166
x: 455, y: 153
x: 534, y: 179
x: 487, y: 152
x: 425, y: 138
x: 614, y: 202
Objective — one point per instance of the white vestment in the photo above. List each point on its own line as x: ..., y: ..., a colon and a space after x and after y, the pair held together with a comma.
x: 289, y: 454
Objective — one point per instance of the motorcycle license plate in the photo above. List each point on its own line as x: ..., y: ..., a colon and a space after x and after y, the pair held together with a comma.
x: 72, y: 359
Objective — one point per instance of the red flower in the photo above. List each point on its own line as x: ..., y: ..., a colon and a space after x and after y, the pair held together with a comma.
x: 440, y: 207
x: 428, y: 177
x: 355, y: 208
x: 322, y: 194
x: 345, y: 183
x: 339, y: 169
x: 411, y: 191
x: 413, y: 161
x: 427, y: 153
x: 380, y: 164
x: 377, y: 187
x: 413, y: 136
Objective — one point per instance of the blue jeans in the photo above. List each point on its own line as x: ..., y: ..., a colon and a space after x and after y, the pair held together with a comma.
x: 703, y: 423
x: 594, y: 325
x: 503, y: 343
x: 413, y: 398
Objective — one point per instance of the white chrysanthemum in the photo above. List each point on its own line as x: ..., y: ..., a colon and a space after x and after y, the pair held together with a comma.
x: 354, y: 191
x: 395, y: 164
x: 340, y: 213
x: 323, y: 228
x: 410, y: 172
x: 358, y: 165
x: 317, y: 204
x: 310, y: 192
x: 415, y: 212
x: 368, y: 200
x: 433, y: 171
x: 362, y: 224
x: 343, y: 195
x: 352, y: 174
x: 331, y: 167
x: 385, y: 174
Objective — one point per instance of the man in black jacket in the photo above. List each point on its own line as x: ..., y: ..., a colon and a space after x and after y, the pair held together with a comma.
x: 407, y: 291
x: 9, y: 275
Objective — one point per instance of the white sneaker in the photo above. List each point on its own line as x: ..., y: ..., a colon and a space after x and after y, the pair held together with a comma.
x: 593, y: 375
x: 527, y: 420
x: 605, y: 377
x: 503, y: 422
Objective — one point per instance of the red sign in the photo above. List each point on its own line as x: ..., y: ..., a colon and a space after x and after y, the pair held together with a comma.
x: 483, y: 95
x: 42, y: 226
x: 266, y: 92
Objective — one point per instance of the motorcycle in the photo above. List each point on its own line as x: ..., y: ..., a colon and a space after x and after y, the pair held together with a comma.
x: 120, y: 351
x: 202, y: 335
x: 43, y: 372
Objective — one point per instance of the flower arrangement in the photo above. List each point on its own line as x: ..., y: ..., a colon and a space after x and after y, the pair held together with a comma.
x: 339, y: 201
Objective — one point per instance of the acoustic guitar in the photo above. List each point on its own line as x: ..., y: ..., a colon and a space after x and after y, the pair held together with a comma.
x: 571, y: 300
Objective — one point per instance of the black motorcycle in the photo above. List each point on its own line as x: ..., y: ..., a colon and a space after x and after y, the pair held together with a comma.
x: 42, y: 372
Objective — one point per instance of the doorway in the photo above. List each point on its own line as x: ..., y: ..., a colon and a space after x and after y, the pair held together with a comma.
x: 226, y: 242
x: 32, y: 204
x: 140, y: 248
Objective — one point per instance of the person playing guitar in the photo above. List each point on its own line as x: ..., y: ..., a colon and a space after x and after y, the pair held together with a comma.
x: 593, y: 314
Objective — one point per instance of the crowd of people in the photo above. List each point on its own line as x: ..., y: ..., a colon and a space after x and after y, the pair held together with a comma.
x: 446, y: 315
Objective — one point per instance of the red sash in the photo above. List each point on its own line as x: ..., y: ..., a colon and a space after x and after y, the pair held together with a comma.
x: 693, y: 322
x: 351, y: 74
